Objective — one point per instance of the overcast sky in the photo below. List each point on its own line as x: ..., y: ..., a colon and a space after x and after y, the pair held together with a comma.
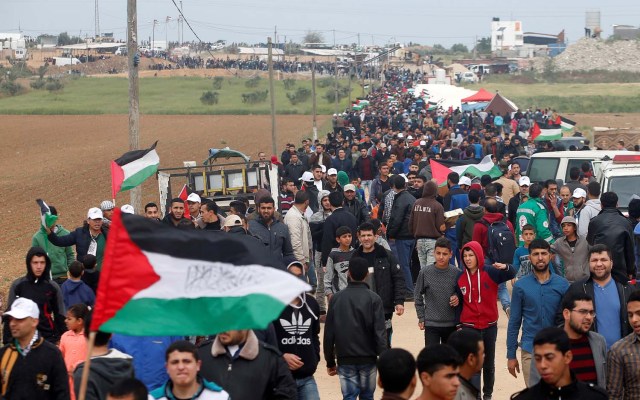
x: 377, y: 21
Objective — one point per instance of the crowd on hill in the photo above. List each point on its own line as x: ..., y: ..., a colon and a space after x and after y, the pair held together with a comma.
x: 364, y: 220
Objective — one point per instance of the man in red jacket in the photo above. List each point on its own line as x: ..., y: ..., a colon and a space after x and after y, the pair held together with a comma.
x: 478, y: 286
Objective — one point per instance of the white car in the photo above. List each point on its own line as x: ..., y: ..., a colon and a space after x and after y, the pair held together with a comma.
x: 469, y: 77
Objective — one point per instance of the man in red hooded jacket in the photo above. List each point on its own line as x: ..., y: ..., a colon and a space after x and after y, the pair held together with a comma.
x: 478, y: 286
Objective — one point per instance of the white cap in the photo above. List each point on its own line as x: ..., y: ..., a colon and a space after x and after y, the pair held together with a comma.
x: 306, y: 177
x: 410, y: 137
x: 23, y: 308
x: 127, y: 209
x: 423, y: 143
x: 323, y: 168
x: 400, y: 135
x: 232, y: 220
x: 350, y: 187
x: 524, y: 181
x: 94, y: 213
x: 332, y: 171
x: 194, y: 198
x: 579, y: 192
x: 464, y: 180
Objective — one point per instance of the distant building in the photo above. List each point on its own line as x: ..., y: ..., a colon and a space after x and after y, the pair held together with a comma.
x: 626, y: 32
x: 506, y: 35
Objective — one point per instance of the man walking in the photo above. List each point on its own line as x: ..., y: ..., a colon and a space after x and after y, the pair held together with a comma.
x: 589, y: 210
x: 355, y: 338
x: 271, y: 232
x: 623, y: 374
x: 61, y: 257
x: 470, y: 346
x: 299, y: 230
x: 427, y: 223
x: 398, y: 231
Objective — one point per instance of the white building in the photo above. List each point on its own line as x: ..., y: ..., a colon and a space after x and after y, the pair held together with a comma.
x: 12, y: 41
x: 506, y: 35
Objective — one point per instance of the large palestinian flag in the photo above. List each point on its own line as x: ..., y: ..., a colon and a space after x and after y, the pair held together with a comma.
x: 484, y: 167
x: 133, y: 168
x: 158, y: 280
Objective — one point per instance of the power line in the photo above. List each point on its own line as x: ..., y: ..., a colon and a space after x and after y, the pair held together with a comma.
x: 191, y: 28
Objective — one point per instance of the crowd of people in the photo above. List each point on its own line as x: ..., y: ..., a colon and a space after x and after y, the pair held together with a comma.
x: 360, y: 217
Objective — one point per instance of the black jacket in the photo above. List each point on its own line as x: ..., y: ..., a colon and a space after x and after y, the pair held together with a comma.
x: 45, y: 293
x: 611, y: 228
x: 184, y: 224
x: 576, y: 390
x: 624, y: 291
x: 514, y: 203
x: 80, y: 237
x: 294, y: 171
x: 387, y: 277
x: 398, y: 227
x: 41, y: 375
x: 339, y: 217
x: 354, y: 331
x: 358, y: 209
x: 104, y: 372
x: 257, y: 372
x: 298, y: 332
x: 313, y: 197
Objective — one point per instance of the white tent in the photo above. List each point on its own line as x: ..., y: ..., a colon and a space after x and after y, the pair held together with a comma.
x: 444, y: 96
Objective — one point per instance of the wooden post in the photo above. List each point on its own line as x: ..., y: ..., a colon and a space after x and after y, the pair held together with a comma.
x: 134, y: 101
x: 82, y: 393
x: 313, y: 97
x: 274, y: 138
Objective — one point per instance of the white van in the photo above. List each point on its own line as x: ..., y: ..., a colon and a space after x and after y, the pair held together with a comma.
x: 622, y: 176
x: 557, y: 164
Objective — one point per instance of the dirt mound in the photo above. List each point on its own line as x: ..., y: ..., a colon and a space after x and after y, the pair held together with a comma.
x: 595, y: 54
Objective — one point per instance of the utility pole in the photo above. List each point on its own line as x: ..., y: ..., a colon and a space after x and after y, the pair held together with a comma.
x: 335, y: 69
x: 134, y: 101
x: 274, y: 138
x: 181, y: 24
x: 475, y: 48
x: 313, y: 97
x: 97, y: 17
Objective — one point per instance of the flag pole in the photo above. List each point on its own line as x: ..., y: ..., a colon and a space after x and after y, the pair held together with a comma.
x: 87, y: 365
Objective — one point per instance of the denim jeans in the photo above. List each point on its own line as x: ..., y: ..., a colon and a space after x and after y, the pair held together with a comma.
x: 402, y: 249
x: 455, y: 251
x: 437, y: 334
x: 426, y: 248
x: 489, y: 336
x: 307, y: 389
x: 311, y: 274
x: 357, y: 381
x: 503, y: 296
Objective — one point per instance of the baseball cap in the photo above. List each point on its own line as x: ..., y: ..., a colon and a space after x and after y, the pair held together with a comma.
x: 524, y: 181
x: 464, y: 180
x: 350, y: 187
x: 127, y: 208
x: 410, y: 137
x: 23, y: 308
x: 332, y: 171
x: 568, y: 220
x: 107, y: 205
x: 323, y: 168
x: 423, y: 143
x: 383, y: 145
x: 232, y: 220
x: 306, y: 177
x: 194, y: 198
x: 579, y: 192
x: 400, y: 135
x: 94, y: 213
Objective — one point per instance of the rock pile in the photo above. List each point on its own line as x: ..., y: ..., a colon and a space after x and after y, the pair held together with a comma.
x: 595, y: 54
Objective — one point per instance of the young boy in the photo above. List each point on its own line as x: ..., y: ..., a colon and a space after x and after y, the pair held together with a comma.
x: 74, y: 291
x: 335, y: 277
x: 91, y: 275
x: 521, y: 261
x: 435, y: 296
x: 359, y: 191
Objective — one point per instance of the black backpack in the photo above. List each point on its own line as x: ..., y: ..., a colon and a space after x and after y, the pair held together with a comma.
x: 501, y: 242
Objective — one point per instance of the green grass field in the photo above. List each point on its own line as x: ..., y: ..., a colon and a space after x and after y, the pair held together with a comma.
x: 176, y: 95
x: 570, y: 97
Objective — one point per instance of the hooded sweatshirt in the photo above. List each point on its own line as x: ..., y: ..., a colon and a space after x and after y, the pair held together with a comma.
x: 104, y: 372
x: 61, y: 257
x: 427, y: 214
x: 45, y: 293
x: 470, y: 215
x: 591, y: 208
x: 479, y: 290
x: 74, y: 292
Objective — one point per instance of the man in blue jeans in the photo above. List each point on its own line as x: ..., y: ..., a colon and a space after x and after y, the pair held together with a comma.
x: 355, y: 338
x: 399, y: 233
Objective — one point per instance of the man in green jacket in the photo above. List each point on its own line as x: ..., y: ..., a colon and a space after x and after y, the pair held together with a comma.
x: 534, y: 212
x: 61, y: 257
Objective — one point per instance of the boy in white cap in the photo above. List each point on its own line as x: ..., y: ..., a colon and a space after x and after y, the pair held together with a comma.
x: 41, y: 376
x: 194, y: 202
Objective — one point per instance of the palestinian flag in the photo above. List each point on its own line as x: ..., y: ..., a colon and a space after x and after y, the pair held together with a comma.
x: 567, y: 124
x: 484, y: 167
x: 546, y: 132
x: 157, y: 280
x: 184, y: 193
x: 133, y: 168
x: 46, y: 218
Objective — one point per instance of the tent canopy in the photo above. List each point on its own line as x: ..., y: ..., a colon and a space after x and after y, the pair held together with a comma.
x: 481, y: 95
x: 444, y: 96
x: 502, y: 105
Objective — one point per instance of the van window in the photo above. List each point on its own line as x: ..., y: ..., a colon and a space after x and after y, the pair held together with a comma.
x: 571, y: 164
x: 541, y: 169
x: 624, y: 187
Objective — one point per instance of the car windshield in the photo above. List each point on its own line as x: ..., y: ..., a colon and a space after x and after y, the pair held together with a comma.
x: 624, y: 187
x: 541, y: 169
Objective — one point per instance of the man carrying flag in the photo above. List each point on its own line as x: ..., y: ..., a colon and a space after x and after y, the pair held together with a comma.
x: 61, y: 257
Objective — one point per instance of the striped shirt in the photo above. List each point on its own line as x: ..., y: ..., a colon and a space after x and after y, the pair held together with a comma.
x: 582, y: 363
x: 623, y: 374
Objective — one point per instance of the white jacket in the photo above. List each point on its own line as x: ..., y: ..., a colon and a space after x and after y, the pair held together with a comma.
x: 300, y: 234
x: 589, y: 211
